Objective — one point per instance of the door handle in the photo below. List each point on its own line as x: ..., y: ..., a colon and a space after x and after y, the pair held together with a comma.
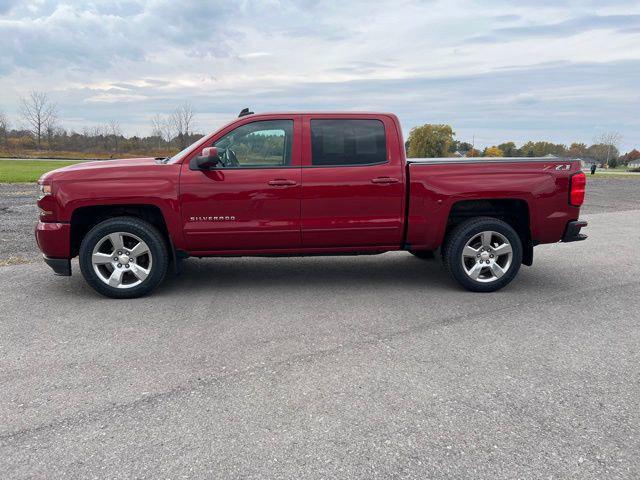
x: 282, y: 182
x: 384, y: 180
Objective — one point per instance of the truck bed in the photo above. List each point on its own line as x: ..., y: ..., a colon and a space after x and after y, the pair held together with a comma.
x: 438, y: 185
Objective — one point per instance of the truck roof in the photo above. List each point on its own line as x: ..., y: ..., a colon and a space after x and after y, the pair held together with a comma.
x: 320, y: 112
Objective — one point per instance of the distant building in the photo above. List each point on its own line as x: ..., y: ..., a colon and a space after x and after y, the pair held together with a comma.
x: 634, y: 164
x: 587, y: 162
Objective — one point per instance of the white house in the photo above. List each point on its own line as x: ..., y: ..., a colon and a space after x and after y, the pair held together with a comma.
x: 633, y: 164
x: 587, y: 162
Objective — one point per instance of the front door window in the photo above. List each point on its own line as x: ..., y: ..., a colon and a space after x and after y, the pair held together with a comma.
x: 257, y: 144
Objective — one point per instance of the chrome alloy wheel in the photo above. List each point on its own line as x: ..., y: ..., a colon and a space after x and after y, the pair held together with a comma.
x: 487, y: 256
x: 122, y: 260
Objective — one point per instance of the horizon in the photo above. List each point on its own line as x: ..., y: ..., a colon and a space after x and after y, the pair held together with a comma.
x: 104, y: 132
x: 496, y: 72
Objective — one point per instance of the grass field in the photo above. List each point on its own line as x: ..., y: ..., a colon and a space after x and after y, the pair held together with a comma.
x: 614, y: 174
x: 21, y: 171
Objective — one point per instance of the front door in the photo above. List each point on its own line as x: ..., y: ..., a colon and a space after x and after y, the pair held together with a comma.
x: 252, y: 200
x: 353, y: 191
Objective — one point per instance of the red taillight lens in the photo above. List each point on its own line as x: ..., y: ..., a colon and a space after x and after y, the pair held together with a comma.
x: 577, y: 189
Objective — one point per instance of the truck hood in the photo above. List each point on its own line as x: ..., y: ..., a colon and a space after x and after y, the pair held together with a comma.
x: 100, y: 168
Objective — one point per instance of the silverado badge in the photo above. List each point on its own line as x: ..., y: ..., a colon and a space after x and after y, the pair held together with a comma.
x: 211, y: 219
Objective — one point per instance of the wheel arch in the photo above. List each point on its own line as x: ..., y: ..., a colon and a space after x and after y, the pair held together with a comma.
x: 85, y: 218
x: 514, y: 211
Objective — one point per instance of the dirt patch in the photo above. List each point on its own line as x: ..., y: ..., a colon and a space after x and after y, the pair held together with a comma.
x: 13, y: 261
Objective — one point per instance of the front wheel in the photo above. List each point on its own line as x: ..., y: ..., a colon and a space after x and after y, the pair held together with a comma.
x: 483, y: 254
x: 123, y: 257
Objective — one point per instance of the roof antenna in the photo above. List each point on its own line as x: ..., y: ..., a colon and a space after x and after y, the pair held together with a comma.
x: 245, y: 112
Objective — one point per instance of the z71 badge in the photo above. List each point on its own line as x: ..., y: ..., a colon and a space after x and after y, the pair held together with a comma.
x: 211, y: 219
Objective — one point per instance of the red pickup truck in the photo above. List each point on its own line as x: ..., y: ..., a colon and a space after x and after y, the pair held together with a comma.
x: 304, y: 184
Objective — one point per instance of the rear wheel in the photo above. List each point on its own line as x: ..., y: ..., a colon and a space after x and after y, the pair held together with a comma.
x: 123, y: 257
x: 483, y: 254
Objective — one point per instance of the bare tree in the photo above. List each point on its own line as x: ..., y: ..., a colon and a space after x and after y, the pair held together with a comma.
x: 50, y: 131
x: 115, y: 132
x: 182, y: 122
x: 4, y: 128
x: 611, y: 140
x: 39, y: 114
x: 157, y: 125
x: 168, y: 130
x: 175, y: 120
x: 98, y: 137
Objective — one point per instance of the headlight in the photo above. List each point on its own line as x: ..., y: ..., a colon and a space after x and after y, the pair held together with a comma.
x: 43, y: 191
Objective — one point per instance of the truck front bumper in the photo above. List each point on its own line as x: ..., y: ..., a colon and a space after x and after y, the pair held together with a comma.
x: 54, y: 241
x: 572, y: 232
x: 60, y: 266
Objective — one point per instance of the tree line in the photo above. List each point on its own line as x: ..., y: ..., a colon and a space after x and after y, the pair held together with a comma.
x: 39, y: 128
x: 432, y: 140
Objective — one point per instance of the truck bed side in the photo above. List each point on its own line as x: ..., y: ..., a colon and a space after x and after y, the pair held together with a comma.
x: 441, y: 188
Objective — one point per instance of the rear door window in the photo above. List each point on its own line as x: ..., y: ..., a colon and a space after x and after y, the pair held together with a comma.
x: 347, y: 142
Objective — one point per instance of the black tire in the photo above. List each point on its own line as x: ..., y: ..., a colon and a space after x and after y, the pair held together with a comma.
x: 454, y: 244
x: 423, y: 254
x: 157, y: 248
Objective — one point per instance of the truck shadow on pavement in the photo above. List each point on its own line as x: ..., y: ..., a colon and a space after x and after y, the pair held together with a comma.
x: 341, y: 272
x: 381, y: 274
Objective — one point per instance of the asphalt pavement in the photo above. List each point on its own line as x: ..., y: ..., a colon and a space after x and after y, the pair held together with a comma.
x: 336, y: 367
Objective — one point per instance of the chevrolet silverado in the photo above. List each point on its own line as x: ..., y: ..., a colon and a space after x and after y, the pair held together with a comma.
x: 304, y: 184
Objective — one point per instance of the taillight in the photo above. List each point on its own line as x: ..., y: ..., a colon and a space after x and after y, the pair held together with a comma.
x: 577, y: 186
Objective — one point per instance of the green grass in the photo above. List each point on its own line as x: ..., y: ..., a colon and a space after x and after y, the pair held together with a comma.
x: 613, y: 175
x: 22, y: 171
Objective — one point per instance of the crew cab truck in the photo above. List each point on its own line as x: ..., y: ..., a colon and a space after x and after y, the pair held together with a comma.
x: 304, y: 184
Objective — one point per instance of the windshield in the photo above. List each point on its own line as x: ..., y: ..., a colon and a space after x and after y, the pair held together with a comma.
x: 178, y: 156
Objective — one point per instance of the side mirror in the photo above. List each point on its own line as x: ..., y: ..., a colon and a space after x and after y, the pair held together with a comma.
x: 208, y: 160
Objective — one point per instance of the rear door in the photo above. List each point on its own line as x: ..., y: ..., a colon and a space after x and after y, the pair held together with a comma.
x: 353, y: 183
x: 252, y: 201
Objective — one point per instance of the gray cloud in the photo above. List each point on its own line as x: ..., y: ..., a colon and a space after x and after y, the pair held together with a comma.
x: 128, y: 59
x: 92, y: 36
x: 560, y: 102
x: 573, y: 5
x: 6, y: 6
x: 561, y: 29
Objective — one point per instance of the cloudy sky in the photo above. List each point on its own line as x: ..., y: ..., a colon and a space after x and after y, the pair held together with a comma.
x: 562, y: 70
